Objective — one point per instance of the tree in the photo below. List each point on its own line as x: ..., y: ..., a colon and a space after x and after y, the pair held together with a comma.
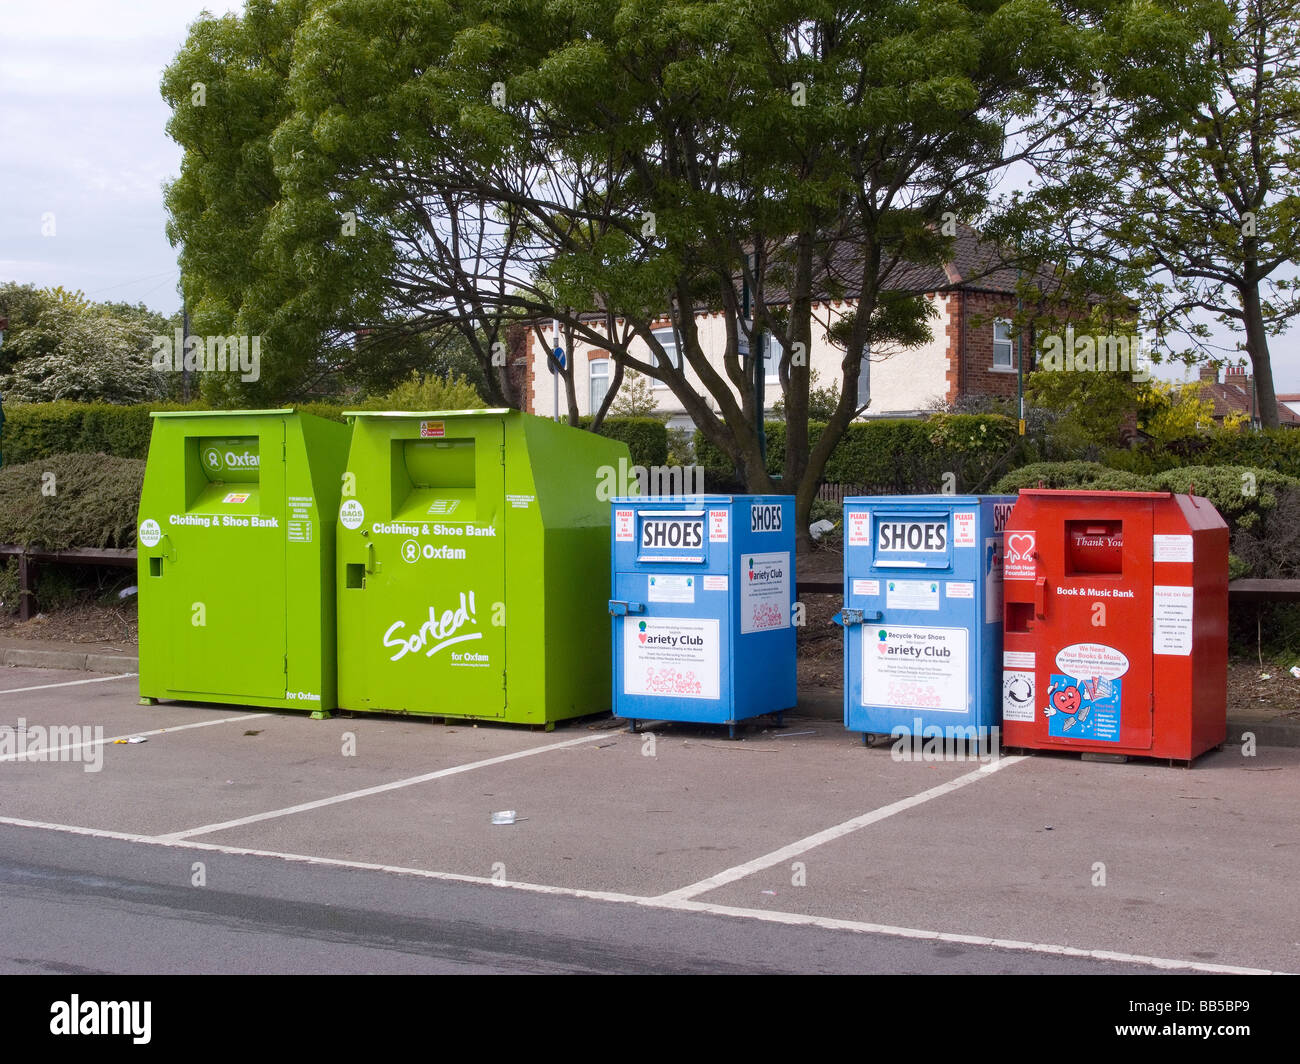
x: 636, y: 398
x: 603, y: 165
x: 1195, y: 206
x: 77, y: 350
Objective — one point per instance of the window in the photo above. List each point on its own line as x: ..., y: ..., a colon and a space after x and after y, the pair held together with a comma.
x: 772, y: 352
x: 598, y: 369
x: 1003, y: 345
x: 668, y: 338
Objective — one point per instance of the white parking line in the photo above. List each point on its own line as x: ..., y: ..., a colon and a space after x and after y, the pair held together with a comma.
x: 803, y: 845
x: 68, y: 683
x: 680, y: 905
x: 381, y: 788
x: 45, y: 751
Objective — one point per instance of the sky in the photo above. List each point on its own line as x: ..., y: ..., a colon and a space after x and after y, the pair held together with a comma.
x: 83, y: 147
x: 84, y: 152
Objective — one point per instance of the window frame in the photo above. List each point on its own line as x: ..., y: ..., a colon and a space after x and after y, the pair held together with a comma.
x: 1010, y: 342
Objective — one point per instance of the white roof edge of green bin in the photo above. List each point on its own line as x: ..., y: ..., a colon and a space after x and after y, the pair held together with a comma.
x: 218, y: 413
x: 491, y: 412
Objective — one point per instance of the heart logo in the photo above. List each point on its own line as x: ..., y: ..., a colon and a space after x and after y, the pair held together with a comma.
x: 882, y: 648
x: 642, y: 638
x: 1066, y: 700
x: 1020, y: 544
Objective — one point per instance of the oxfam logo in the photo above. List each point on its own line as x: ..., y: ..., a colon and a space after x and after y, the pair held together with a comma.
x: 216, y: 460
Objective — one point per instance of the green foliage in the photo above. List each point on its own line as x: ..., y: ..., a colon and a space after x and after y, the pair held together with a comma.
x: 821, y: 401
x: 429, y: 393
x: 635, y: 397
x: 1261, y: 507
x: 646, y: 437
x: 90, y: 501
x: 59, y: 345
x: 896, y: 455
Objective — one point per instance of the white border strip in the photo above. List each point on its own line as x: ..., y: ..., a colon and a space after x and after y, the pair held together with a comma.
x: 43, y: 752
x: 794, y: 849
x: 793, y: 919
x: 382, y: 788
x: 67, y: 683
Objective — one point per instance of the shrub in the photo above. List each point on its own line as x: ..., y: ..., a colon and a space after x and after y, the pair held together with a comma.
x: 71, y: 500
x: 646, y: 437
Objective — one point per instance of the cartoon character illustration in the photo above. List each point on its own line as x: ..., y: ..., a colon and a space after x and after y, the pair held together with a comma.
x: 1072, y: 701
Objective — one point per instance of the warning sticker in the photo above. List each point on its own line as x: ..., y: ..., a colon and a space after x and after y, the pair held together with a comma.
x: 764, y: 592
x: 915, y: 667
x: 670, y: 587
x: 866, y: 587
x: 432, y: 430
x: 1018, y: 556
x: 1171, y: 548
x: 623, y: 526
x: 671, y: 657
x: 1017, y: 659
x: 959, y: 589
x: 1171, y: 620
x: 236, y: 497
x: 1018, y: 696
x: 714, y: 583
x: 963, y: 529
x: 859, y: 529
x: 912, y: 594
x: 719, y: 526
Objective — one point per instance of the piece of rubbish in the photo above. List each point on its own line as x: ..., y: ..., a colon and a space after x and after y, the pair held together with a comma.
x: 769, y: 892
x: 788, y: 734
x: 1295, y: 671
x: 506, y: 816
x: 1266, y: 676
x: 819, y: 528
x: 133, y: 739
x: 126, y: 592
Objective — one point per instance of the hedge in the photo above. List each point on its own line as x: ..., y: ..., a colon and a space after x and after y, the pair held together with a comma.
x: 646, y: 437
x: 38, y: 430
x: 1260, y: 506
x: 71, y: 500
x: 896, y: 456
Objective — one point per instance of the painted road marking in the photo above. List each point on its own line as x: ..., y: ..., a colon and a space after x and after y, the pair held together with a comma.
x: 794, y: 849
x: 68, y: 683
x: 381, y: 788
x: 681, y: 905
x: 43, y: 752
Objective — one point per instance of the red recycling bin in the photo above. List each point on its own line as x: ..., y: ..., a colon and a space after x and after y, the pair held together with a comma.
x: 1115, y: 623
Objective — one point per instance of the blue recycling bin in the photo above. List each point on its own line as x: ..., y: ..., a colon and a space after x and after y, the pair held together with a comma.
x: 922, y: 615
x: 702, y: 593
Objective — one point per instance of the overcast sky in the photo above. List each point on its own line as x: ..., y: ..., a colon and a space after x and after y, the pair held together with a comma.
x: 84, y: 149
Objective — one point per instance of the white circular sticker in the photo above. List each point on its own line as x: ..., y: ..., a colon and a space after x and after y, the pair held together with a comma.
x: 352, y: 513
x: 150, y: 533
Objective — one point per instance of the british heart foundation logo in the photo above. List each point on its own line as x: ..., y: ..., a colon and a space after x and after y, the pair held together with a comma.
x: 1018, y: 557
x: 641, y: 631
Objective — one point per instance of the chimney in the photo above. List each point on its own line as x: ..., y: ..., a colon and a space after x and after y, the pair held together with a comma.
x: 1210, y: 372
x: 1237, y: 375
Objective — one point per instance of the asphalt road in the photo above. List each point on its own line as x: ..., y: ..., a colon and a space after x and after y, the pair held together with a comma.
x: 76, y: 905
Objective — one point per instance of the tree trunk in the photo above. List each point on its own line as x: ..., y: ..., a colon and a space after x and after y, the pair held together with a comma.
x: 1260, y: 364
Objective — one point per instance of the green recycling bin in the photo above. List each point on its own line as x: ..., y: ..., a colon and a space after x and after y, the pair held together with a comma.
x: 472, y: 553
x: 236, y: 558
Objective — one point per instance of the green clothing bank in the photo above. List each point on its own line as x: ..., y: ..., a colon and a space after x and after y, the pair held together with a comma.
x: 462, y: 573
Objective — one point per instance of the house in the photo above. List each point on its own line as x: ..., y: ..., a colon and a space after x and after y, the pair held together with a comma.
x: 1235, y: 394
x: 973, y: 353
